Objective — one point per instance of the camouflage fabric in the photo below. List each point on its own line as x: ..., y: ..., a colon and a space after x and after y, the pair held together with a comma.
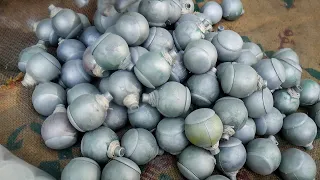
x: 273, y: 24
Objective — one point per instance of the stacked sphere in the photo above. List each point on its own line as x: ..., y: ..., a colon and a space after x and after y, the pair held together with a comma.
x: 165, y: 84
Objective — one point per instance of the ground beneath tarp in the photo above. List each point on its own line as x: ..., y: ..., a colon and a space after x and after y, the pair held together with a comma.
x: 273, y: 24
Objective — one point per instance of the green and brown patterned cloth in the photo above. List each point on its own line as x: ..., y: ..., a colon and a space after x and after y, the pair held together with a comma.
x: 273, y: 24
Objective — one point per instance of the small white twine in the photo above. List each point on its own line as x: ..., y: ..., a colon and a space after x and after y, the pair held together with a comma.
x: 103, y: 101
x: 131, y: 100
x: 112, y: 147
x: 97, y: 70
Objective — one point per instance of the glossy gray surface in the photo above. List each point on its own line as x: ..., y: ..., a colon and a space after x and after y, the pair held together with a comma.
x: 35, y: 73
x: 228, y: 44
x: 80, y: 89
x: 67, y: 24
x: 204, y: 88
x: 47, y: 96
x: 204, y: 128
x: 269, y: 124
x: 171, y: 99
x: 296, y: 164
x: 232, y: 9
x: 141, y: 146
x: 11, y: 164
x: 81, y: 168
x: 213, y: 11
x: 121, y: 168
x: 103, y: 138
x: 56, y: 130
x: 247, y: 132
x: 231, y: 158
x: 146, y: 117
x: 170, y: 135
x: 70, y: 49
x: 300, y: 130
x: 259, y: 103
x: 310, y: 93
x: 272, y: 71
x: 285, y: 102
x: 200, y: 56
x: 88, y: 111
x: 133, y: 28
